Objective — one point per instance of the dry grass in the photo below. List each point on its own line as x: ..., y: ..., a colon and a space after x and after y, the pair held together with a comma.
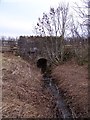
x: 72, y: 79
x: 0, y: 84
x: 22, y: 94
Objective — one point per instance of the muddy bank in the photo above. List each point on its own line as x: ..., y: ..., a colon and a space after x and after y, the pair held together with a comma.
x: 72, y: 79
x: 22, y: 90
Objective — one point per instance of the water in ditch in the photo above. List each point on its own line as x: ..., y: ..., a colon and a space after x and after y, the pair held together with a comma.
x: 62, y: 109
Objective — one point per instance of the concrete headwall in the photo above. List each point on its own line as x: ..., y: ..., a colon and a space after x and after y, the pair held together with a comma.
x: 36, y: 46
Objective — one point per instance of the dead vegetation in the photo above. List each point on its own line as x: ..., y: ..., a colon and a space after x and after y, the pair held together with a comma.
x: 72, y: 79
x: 22, y: 94
x: 22, y: 90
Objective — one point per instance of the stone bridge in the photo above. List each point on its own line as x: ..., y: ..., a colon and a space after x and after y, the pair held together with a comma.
x: 32, y: 49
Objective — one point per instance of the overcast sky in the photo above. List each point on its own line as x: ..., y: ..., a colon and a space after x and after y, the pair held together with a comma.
x: 18, y: 17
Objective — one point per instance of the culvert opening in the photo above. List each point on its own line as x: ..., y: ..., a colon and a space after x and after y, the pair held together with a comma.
x: 42, y: 64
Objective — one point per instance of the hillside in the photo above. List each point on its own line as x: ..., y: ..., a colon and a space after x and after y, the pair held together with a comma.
x: 22, y: 91
x: 72, y: 80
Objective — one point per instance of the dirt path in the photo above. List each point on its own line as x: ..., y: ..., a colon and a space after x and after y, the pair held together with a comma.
x: 72, y: 79
x: 22, y: 94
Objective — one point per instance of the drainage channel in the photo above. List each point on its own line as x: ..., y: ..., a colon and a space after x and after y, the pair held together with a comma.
x: 63, y: 110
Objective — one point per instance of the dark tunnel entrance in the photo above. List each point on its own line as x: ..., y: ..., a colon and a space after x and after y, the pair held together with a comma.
x: 42, y: 64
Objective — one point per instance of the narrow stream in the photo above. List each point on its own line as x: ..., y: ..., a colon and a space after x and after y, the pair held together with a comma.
x: 63, y: 110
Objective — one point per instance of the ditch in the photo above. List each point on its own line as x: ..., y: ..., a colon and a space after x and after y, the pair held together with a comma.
x: 62, y: 109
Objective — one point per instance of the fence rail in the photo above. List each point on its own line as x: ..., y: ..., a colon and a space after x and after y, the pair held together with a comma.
x: 8, y: 46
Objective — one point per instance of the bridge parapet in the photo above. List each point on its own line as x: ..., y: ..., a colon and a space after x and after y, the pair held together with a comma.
x: 32, y: 47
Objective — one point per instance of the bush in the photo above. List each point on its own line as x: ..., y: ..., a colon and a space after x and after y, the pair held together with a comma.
x: 68, y: 52
x: 81, y: 54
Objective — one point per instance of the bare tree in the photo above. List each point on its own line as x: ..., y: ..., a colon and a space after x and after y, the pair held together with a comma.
x: 80, y: 31
x: 82, y: 13
x: 89, y: 19
x: 54, y: 24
